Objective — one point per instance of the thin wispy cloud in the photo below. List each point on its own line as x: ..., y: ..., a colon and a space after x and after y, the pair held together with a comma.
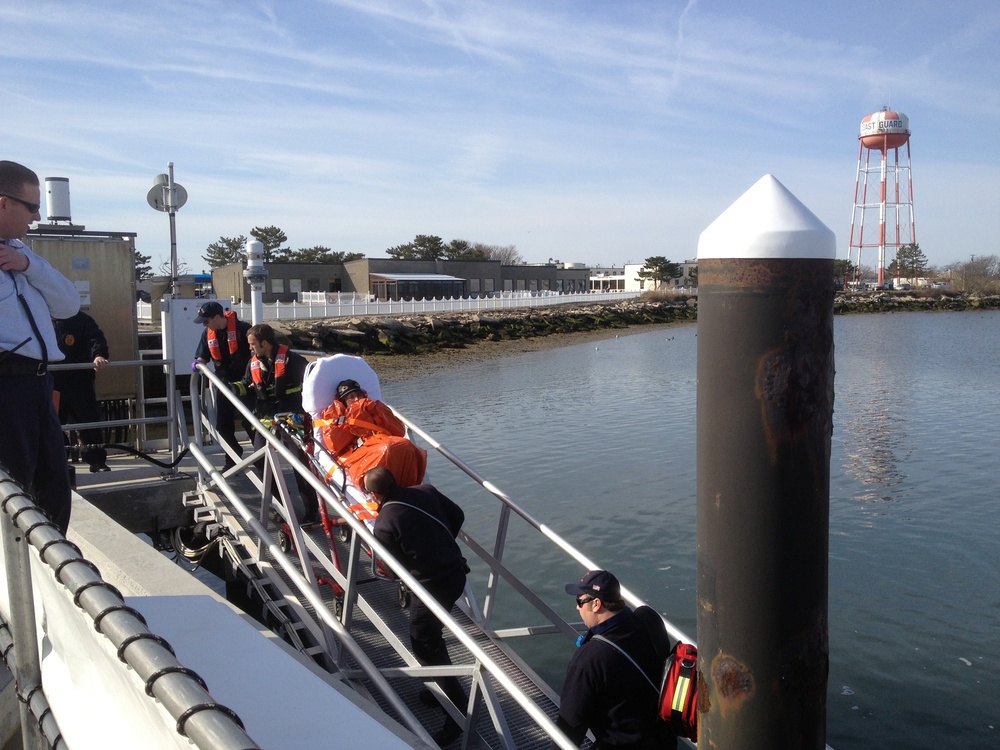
x: 589, y: 132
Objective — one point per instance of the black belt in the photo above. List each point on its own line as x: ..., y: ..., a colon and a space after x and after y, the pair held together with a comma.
x: 15, y: 364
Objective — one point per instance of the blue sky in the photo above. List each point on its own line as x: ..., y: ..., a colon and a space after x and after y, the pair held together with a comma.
x: 595, y: 132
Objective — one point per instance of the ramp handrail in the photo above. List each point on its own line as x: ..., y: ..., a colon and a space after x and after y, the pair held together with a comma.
x: 331, y: 497
x: 507, y: 502
x: 177, y: 689
x: 493, y: 561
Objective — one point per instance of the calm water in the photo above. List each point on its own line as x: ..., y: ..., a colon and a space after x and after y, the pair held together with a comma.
x: 598, y: 440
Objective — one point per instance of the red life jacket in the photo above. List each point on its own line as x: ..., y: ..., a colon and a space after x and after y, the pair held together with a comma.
x: 279, y: 369
x: 211, y: 335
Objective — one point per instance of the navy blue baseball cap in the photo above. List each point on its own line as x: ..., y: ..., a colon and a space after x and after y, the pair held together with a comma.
x: 208, y: 311
x: 599, y: 584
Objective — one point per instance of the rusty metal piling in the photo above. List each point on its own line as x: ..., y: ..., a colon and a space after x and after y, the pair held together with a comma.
x: 765, y: 420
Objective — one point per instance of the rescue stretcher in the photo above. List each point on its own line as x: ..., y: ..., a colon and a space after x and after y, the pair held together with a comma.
x: 319, y: 389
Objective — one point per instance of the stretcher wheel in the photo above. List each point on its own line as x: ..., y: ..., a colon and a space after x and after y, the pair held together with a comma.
x: 344, y: 532
x: 338, y: 607
x: 285, y: 542
x: 403, y: 597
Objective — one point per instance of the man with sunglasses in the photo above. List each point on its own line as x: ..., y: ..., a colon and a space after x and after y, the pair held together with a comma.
x: 604, y: 690
x: 32, y: 293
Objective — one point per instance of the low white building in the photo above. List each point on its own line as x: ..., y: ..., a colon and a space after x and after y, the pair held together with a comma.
x: 627, y: 279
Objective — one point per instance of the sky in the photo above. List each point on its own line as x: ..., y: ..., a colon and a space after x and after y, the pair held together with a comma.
x: 586, y: 131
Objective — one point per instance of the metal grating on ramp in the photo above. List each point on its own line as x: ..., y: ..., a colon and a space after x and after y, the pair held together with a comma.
x: 382, y: 596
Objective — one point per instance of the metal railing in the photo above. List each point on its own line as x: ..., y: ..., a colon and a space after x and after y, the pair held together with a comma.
x: 173, y: 419
x: 61, y: 571
x: 312, y: 558
x: 363, y: 306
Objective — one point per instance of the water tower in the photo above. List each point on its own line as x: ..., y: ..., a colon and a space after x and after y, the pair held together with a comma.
x: 884, y: 133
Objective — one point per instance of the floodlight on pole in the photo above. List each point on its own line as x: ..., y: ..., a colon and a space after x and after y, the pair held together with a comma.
x: 256, y: 275
x: 166, y: 195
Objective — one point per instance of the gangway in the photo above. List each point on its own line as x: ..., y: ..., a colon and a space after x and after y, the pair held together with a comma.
x: 360, y: 630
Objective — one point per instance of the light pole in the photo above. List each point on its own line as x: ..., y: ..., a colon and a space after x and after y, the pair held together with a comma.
x: 167, y: 195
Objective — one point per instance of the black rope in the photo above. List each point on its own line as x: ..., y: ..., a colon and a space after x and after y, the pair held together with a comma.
x: 99, y: 617
x: 91, y: 584
x: 27, y: 531
x: 183, y: 718
x: 62, y: 540
x: 143, y: 637
x: 58, y: 568
x: 174, y: 669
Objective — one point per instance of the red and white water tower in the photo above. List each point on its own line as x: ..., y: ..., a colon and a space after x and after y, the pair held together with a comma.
x: 886, y: 133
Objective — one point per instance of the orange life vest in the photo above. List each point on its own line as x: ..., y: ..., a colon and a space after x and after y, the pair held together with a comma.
x: 279, y: 368
x: 343, y: 425
x: 211, y: 335
x: 406, y: 460
x: 367, y: 434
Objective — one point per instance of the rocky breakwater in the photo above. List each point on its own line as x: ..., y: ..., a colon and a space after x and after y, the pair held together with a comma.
x: 882, y: 302
x: 428, y: 333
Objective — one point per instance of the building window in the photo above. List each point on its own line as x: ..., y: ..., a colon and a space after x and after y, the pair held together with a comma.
x: 488, y: 285
x: 277, y: 286
x: 295, y: 286
x: 312, y: 285
x: 474, y: 286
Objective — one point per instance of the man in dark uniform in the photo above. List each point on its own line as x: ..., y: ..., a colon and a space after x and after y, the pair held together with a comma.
x: 274, y: 380
x: 82, y: 341
x: 224, y: 343
x: 604, y: 691
x: 418, y: 525
x: 32, y: 292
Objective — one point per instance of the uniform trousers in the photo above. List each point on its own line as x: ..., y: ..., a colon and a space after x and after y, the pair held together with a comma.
x: 31, y: 443
x: 427, y: 631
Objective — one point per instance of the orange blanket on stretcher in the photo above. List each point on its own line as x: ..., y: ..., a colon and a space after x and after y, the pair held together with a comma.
x: 367, y: 434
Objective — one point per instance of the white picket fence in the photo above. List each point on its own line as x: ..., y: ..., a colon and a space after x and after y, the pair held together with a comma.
x: 350, y: 305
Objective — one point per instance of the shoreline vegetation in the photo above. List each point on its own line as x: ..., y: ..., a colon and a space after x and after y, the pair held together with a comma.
x: 414, y: 346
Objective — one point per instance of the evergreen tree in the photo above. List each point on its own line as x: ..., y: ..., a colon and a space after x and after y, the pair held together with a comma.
x: 272, y: 239
x: 226, y: 250
x: 843, y: 271
x: 143, y: 270
x: 910, y: 263
x: 423, y: 247
x: 464, y: 250
x: 658, y: 269
x: 322, y: 254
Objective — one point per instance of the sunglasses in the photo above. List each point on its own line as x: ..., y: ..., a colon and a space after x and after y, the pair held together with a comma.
x: 580, y: 601
x: 33, y: 207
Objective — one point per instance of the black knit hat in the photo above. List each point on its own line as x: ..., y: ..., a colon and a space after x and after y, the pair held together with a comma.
x: 348, y: 386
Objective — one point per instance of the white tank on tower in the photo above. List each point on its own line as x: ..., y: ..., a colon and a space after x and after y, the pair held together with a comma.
x: 57, y: 199
x: 882, y: 220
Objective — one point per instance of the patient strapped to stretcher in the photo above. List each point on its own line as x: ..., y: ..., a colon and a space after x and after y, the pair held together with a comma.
x: 363, y: 434
x: 359, y: 434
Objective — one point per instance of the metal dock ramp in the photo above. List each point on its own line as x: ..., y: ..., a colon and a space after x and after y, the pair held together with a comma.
x: 350, y: 619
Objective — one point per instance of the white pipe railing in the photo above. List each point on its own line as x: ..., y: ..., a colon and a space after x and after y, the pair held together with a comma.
x: 362, y: 305
x: 69, y: 589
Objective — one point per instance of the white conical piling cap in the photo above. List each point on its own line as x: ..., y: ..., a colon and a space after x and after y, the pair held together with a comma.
x: 767, y: 221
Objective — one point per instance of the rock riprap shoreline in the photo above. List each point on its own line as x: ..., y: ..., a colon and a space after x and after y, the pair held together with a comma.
x: 421, y: 334
x: 429, y: 333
